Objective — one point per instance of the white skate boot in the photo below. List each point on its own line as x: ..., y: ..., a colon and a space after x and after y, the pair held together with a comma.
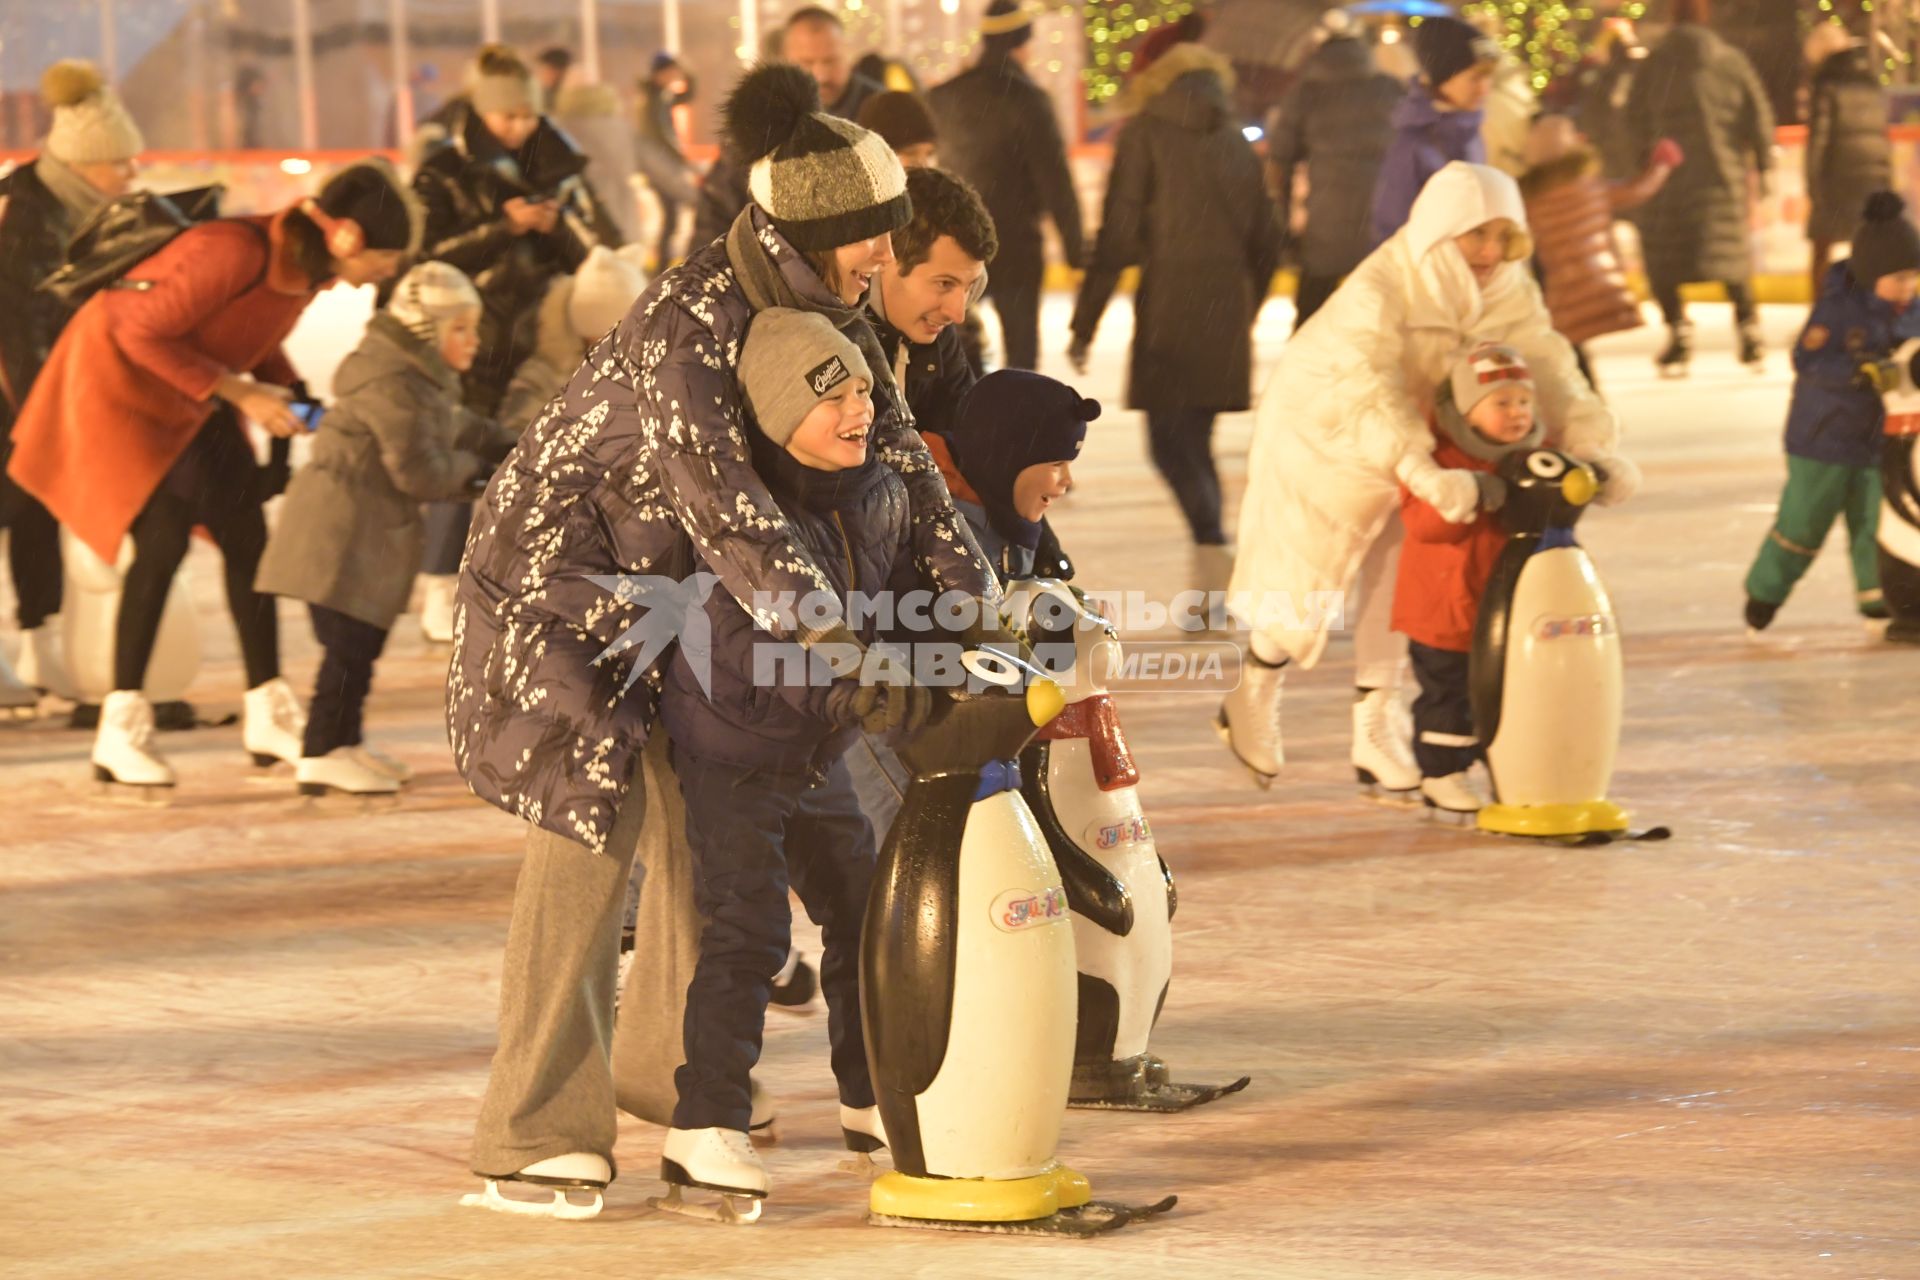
x: 1454, y: 798
x: 1382, y: 754
x: 17, y: 698
x: 41, y: 665
x: 272, y: 723
x: 123, y: 745
x: 1249, y: 719
x: 718, y: 1160
x: 341, y: 770
x: 864, y: 1133
x: 436, y: 606
x: 575, y: 1182
x: 372, y: 757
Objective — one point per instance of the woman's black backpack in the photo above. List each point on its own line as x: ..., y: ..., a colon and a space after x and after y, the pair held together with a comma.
x: 121, y: 235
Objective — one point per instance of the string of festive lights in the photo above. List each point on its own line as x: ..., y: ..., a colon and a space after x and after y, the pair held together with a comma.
x: 1549, y: 38
x: 1113, y: 27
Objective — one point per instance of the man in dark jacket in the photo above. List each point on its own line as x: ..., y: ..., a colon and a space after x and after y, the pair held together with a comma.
x: 656, y: 147
x: 814, y: 40
x: 1336, y: 122
x: 998, y: 131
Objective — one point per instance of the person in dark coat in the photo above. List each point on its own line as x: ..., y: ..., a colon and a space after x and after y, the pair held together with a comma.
x: 1848, y: 154
x: 998, y: 131
x: 641, y: 464
x: 1438, y: 121
x: 1604, y: 80
x: 87, y: 160
x: 815, y: 40
x: 1702, y: 92
x: 1336, y: 123
x: 1186, y: 202
x: 657, y: 151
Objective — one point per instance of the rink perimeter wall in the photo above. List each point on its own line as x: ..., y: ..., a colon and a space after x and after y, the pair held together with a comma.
x: 258, y: 180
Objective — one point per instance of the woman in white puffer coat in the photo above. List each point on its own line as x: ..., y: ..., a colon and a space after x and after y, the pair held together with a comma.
x: 1345, y: 421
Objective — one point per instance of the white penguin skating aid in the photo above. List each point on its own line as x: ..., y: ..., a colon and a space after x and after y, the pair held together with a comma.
x: 1898, y: 533
x: 968, y: 988
x: 1546, y: 672
x: 1080, y: 781
x: 568, y: 1188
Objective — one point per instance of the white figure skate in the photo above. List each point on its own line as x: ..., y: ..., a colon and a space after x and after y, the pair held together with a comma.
x: 123, y: 751
x: 372, y: 757
x: 722, y: 1161
x: 41, y: 665
x: 763, y: 1128
x: 272, y: 723
x: 1249, y: 720
x: 1382, y: 754
x: 864, y: 1133
x: 18, y: 698
x: 1455, y: 798
x: 341, y: 770
x: 574, y: 1184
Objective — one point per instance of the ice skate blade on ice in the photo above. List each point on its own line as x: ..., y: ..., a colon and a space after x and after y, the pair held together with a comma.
x: 560, y: 1207
x: 734, y: 1208
x: 1163, y: 1097
x: 1371, y: 789
x: 1262, y: 780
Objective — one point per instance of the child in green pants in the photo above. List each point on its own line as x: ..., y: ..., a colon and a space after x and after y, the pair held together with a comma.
x: 1833, y: 425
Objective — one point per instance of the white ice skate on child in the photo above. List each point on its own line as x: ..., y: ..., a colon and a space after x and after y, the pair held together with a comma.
x: 272, y: 723
x: 722, y: 1161
x: 1382, y: 758
x: 436, y: 606
x: 41, y: 666
x: 1454, y: 798
x: 17, y: 697
x: 372, y: 757
x: 1249, y: 719
x: 763, y: 1129
x: 341, y: 770
x: 569, y: 1188
x: 123, y: 750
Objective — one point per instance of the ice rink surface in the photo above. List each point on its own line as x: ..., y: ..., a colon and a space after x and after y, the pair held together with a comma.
x: 239, y: 1037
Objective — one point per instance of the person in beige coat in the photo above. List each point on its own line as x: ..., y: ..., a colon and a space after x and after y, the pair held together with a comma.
x: 350, y: 537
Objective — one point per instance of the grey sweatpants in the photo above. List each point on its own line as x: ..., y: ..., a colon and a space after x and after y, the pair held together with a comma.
x: 551, y: 1089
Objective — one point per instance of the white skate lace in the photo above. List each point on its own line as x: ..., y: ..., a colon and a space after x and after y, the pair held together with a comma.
x: 140, y: 727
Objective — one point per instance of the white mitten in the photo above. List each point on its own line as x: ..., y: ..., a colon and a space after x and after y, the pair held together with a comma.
x: 1622, y: 480
x: 1452, y: 492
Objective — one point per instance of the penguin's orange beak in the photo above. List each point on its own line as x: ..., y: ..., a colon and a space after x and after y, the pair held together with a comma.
x: 1580, y: 486
x: 1045, y: 700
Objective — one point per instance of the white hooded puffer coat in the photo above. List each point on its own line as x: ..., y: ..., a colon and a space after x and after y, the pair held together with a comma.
x: 1344, y: 419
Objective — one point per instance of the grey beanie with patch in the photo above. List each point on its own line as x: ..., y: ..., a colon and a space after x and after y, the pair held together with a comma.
x: 791, y: 362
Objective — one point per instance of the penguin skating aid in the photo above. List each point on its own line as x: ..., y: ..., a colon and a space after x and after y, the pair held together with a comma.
x: 1546, y: 669
x: 1080, y: 781
x: 1898, y: 534
x: 967, y: 979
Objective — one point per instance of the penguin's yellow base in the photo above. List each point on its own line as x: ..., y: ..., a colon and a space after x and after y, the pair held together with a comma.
x: 1553, y: 819
x: 901, y: 1195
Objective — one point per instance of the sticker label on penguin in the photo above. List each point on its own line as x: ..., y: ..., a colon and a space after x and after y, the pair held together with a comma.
x: 1113, y: 835
x: 1591, y: 626
x: 1018, y: 909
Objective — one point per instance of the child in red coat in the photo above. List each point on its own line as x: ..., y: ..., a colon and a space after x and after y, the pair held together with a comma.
x: 1484, y: 412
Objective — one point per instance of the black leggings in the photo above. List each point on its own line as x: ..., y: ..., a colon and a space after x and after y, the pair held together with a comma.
x: 1181, y: 442
x: 33, y: 553
x: 216, y: 486
x: 1739, y: 293
x: 349, y: 647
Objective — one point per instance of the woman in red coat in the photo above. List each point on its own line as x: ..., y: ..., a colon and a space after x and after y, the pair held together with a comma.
x: 134, y: 428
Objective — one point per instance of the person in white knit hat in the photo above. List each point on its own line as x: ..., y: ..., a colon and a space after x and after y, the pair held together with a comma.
x: 349, y: 538
x: 577, y: 312
x: 88, y: 159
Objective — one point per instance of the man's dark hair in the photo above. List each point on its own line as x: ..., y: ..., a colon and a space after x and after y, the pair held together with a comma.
x: 943, y: 205
x: 813, y: 15
x: 556, y: 57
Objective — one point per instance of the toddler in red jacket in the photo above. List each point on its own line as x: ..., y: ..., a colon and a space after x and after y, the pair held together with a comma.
x: 1483, y: 412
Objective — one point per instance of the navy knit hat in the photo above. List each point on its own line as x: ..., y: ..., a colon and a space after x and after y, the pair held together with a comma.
x: 1886, y: 241
x: 1009, y: 421
x: 1448, y: 46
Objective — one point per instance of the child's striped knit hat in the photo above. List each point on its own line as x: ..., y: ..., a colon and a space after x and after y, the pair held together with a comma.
x: 430, y: 295
x: 825, y: 181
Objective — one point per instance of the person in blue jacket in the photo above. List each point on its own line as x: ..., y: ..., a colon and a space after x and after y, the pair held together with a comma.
x: 1439, y: 119
x: 1834, y: 420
